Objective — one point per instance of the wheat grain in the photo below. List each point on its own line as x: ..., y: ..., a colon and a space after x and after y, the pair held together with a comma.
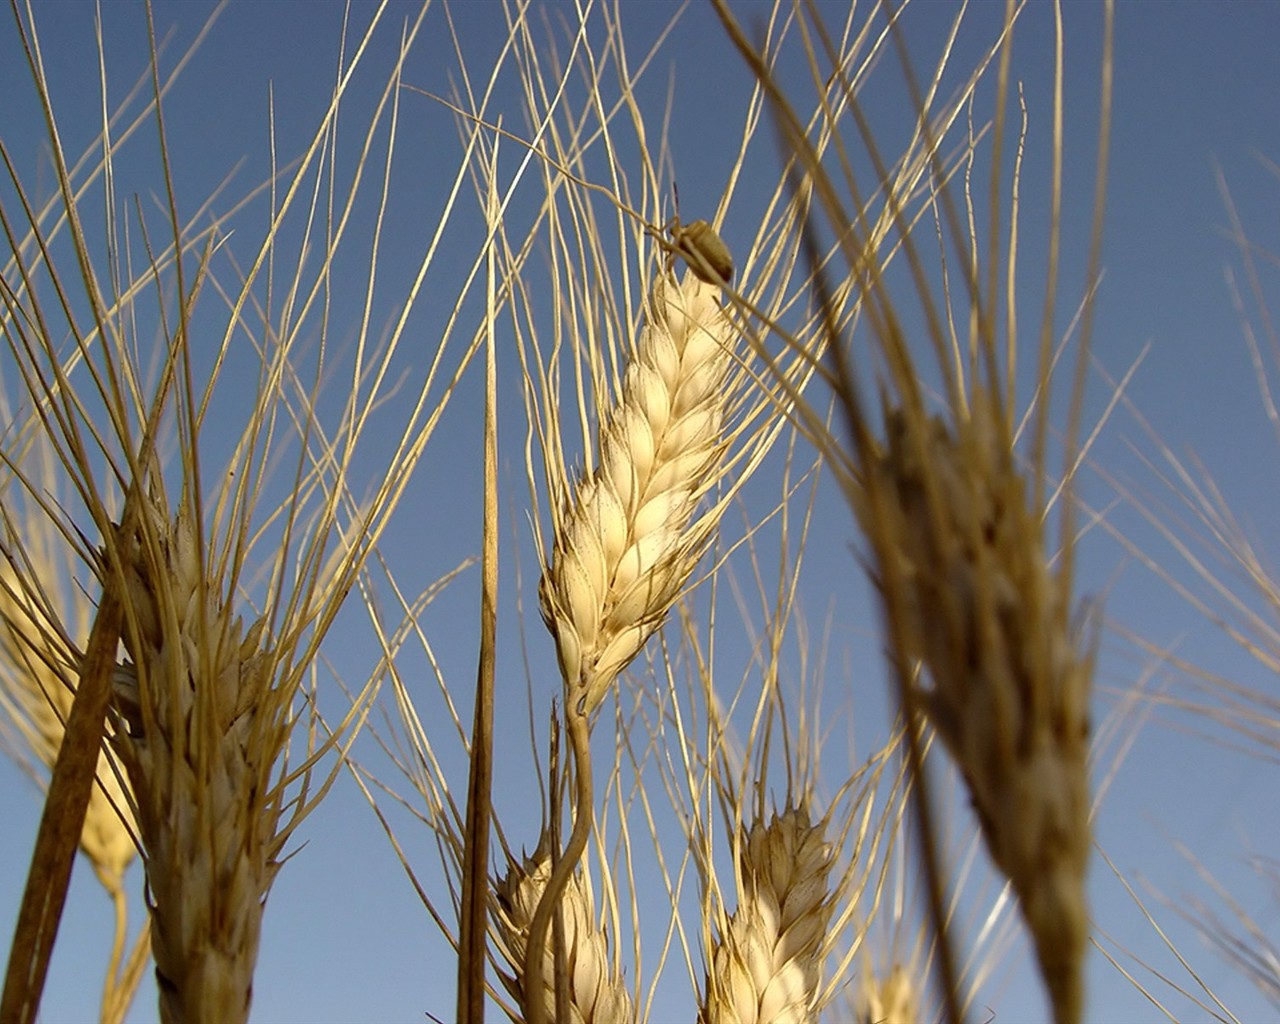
x: 200, y: 744
x: 597, y: 994
x: 767, y: 964
x: 625, y: 543
x: 1009, y: 694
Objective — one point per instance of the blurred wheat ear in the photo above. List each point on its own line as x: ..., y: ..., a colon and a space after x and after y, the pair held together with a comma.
x: 891, y: 999
x: 958, y: 547
x: 39, y: 670
x: 979, y: 624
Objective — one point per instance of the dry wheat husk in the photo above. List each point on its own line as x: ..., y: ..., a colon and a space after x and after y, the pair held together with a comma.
x: 1008, y: 679
x: 625, y: 541
x: 201, y: 734
x: 596, y: 991
x: 766, y: 966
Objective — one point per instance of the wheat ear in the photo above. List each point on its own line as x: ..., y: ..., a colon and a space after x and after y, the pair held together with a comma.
x: 1010, y: 683
x: 201, y: 734
x: 767, y: 964
x: 37, y: 699
x: 625, y: 542
x: 625, y: 539
x: 597, y: 993
x: 41, y: 617
x: 891, y: 999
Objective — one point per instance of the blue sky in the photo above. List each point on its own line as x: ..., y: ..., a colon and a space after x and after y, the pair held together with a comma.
x: 345, y: 937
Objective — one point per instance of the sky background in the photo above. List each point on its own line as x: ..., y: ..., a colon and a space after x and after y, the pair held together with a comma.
x: 345, y: 937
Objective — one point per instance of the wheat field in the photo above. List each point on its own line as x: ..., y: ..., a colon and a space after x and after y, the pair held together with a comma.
x: 638, y: 512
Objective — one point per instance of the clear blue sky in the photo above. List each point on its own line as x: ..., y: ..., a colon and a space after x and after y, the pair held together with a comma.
x: 1196, y: 88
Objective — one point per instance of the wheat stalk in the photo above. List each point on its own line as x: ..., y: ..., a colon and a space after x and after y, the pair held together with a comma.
x: 36, y: 697
x: 595, y: 988
x: 44, y: 624
x: 625, y: 542
x: 206, y: 706
x: 767, y: 964
x: 598, y: 625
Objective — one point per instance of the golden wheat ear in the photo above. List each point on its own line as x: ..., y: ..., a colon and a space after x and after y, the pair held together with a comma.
x: 892, y: 998
x: 766, y: 965
x: 626, y: 543
x: 595, y: 988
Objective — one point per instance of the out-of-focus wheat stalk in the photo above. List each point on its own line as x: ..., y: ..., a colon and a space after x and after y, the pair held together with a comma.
x: 1009, y: 682
x: 783, y: 937
x: 45, y: 412
x: 38, y: 674
x: 37, y: 684
x: 784, y: 923
x: 980, y: 626
x: 204, y: 725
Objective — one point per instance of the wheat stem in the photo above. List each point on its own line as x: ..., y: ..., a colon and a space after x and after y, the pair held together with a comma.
x: 62, y: 820
x: 578, y: 727
x: 475, y: 872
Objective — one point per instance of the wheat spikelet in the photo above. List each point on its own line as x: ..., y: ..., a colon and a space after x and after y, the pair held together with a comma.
x: 625, y: 544
x: 200, y: 744
x: 595, y: 987
x: 893, y: 999
x: 37, y: 699
x: 767, y: 964
x: 983, y: 611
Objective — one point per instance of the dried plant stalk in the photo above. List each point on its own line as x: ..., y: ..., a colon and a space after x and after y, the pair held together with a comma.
x: 40, y: 619
x: 595, y: 986
x: 625, y: 543
x: 36, y: 697
x: 204, y: 729
x: 980, y: 606
x: 767, y: 964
